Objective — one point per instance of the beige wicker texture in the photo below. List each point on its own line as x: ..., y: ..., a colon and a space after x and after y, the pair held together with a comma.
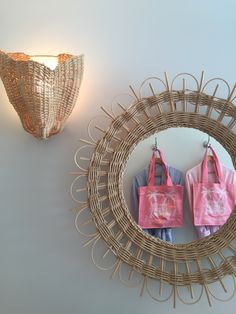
x: 201, y: 262
x: 43, y: 98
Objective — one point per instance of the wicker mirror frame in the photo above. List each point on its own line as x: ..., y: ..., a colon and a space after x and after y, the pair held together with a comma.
x: 154, y: 259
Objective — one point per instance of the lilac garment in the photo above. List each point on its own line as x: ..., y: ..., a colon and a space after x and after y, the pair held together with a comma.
x: 140, y: 179
x: 193, y: 176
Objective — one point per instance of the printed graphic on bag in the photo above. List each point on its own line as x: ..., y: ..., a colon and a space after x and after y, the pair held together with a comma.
x: 161, y: 204
x: 214, y: 200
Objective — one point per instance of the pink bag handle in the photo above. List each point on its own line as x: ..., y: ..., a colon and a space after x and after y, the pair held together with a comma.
x: 168, y: 181
x: 217, y: 167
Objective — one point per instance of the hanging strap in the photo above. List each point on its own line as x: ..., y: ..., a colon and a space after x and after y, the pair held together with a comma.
x: 216, y: 164
x: 168, y: 181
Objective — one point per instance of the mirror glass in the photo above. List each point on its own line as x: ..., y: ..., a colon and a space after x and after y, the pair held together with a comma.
x: 182, y: 149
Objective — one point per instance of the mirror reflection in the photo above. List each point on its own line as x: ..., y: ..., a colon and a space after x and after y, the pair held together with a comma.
x: 179, y: 185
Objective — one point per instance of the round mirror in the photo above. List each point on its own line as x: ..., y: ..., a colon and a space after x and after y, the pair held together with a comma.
x: 186, y: 261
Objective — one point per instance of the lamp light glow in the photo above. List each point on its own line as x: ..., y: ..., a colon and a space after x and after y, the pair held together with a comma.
x: 49, y: 61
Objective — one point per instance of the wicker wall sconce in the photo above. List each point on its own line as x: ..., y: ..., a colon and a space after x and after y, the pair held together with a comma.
x: 43, y: 97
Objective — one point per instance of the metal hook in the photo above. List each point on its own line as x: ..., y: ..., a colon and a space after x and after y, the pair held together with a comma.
x: 207, y: 143
x: 154, y: 147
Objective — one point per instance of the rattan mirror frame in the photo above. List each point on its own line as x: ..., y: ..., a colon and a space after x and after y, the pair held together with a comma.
x: 105, y: 201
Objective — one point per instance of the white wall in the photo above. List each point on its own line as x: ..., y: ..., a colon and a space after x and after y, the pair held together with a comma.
x: 43, y: 267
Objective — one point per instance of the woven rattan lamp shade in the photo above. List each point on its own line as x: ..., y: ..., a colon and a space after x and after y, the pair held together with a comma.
x: 42, y: 97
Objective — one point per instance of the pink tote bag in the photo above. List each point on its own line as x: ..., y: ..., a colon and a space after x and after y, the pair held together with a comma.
x: 212, y: 202
x: 160, y: 206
